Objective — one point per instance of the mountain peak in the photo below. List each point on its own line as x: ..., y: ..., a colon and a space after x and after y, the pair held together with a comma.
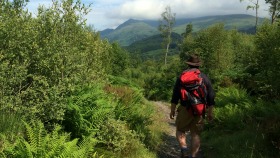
x: 128, y: 22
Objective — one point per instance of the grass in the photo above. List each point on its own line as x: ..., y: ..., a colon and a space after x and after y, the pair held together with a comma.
x: 159, y: 120
x: 10, y: 124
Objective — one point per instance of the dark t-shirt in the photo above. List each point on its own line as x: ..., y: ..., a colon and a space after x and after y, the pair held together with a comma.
x: 176, y: 96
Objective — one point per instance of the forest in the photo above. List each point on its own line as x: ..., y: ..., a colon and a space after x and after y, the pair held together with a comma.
x: 65, y: 92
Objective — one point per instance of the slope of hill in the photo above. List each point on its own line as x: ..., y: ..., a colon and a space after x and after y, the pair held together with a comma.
x: 152, y: 43
x: 129, y: 32
x: 135, y: 30
x: 237, y: 21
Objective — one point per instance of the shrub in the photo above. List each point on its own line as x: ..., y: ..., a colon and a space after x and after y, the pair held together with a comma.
x: 132, y: 108
x: 116, y: 136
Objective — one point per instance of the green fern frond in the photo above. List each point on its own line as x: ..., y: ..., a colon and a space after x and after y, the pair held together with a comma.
x: 39, y: 132
x: 31, y: 137
x: 2, y: 155
x: 56, y: 145
x: 26, y: 150
x: 232, y: 95
x: 39, y: 143
x: 68, y: 149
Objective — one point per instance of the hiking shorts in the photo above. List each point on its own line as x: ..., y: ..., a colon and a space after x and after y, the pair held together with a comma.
x: 185, y: 121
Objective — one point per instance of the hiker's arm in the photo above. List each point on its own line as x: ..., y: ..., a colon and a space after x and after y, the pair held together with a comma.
x: 175, y: 98
x: 210, y: 113
x: 173, y: 109
x: 210, y: 97
x: 210, y: 91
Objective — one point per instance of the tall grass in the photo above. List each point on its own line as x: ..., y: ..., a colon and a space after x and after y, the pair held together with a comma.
x: 10, y: 124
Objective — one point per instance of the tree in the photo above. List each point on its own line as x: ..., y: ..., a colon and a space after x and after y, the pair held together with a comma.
x: 44, y: 58
x: 268, y: 46
x: 274, y: 9
x: 119, y: 58
x: 226, y: 54
x: 188, y: 31
x: 255, y: 6
x: 165, y: 27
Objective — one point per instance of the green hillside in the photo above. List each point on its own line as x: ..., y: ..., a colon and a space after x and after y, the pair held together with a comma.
x: 239, y: 22
x: 135, y: 30
x: 150, y: 44
x: 131, y: 32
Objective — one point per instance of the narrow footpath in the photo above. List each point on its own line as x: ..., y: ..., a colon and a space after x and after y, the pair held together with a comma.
x: 170, y: 147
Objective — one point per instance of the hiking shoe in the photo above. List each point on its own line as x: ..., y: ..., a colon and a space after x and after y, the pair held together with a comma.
x: 185, y: 153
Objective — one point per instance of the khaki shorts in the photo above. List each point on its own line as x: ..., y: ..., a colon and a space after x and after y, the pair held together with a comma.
x: 185, y: 121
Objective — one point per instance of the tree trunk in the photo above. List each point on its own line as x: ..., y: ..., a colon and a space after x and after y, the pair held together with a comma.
x: 273, y: 16
x: 167, y: 49
x: 257, y: 7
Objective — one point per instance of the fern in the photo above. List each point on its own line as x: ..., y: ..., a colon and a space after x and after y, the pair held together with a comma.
x: 233, y: 95
x: 39, y: 143
x: 234, y: 108
x: 87, y: 110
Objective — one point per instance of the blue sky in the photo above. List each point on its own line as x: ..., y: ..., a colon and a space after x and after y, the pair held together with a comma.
x: 111, y: 13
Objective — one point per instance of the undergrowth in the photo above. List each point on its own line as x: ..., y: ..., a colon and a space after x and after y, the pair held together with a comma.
x: 115, y: 119
x: 243, y: 127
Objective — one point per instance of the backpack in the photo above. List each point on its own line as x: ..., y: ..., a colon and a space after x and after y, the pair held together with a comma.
x: 193, y: 92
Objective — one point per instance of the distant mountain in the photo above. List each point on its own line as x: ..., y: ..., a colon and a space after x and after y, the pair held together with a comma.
x: 241, y: 22
x: 136, y: 30
x: 129, y: 32
x: 107, y: 32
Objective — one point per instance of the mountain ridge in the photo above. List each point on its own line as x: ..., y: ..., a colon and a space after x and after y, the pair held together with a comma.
x: 134, y: 30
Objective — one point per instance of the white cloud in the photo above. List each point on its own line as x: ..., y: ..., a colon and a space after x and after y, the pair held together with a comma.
x: 141, y: 9
x: 152, y: 9
x: 111, y: 13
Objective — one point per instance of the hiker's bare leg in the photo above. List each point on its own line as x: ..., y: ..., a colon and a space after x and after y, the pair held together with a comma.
x: 195, y: 144
x: 181, y: 137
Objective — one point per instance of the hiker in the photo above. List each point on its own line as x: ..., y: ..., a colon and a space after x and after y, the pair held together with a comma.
x: 186, y: 120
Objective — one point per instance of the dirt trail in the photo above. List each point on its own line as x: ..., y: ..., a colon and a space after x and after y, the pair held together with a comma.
x: 170, y: 147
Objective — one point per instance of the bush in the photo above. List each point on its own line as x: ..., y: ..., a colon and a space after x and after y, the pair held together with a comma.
x: 132, y: 108
x: 116, y: 136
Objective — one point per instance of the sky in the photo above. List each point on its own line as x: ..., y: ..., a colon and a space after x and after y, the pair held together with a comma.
x: 111, y: 13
